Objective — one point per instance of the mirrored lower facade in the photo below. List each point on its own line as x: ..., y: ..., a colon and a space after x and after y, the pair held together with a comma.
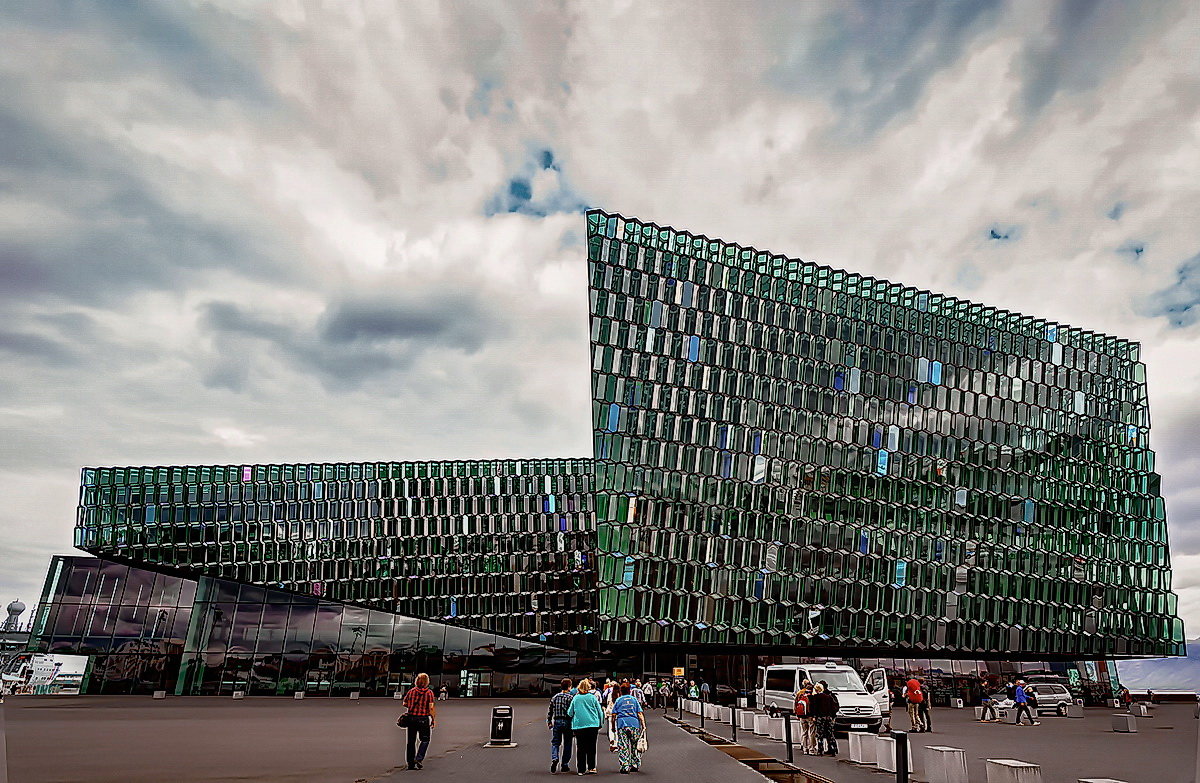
x: 150, y: 630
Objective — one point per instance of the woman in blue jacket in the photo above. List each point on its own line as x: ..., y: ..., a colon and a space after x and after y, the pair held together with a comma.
x: 586, y: 716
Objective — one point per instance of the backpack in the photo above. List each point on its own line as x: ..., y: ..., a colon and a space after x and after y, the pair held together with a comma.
x: 801, y: 706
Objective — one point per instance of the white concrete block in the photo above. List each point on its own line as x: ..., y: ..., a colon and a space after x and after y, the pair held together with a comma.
x: 1140, y: 710
x: 239, y: 694
x: 1012, y: 771
x: 1123, y: 722
x: 1074, y: 710
x: 160, y: 694
x: 979, y: 713
x: 746, y: 720
x: 396, y: 695
x: 762, y: 725
x: 957, y: 704
x: 862, y: 747
x: 944, y: 764
x: 298, y: 695
x: 885, y: 753
x: 776, y: 729
x: 354, y: 695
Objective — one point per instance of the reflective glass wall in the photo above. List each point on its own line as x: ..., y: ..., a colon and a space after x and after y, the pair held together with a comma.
x: 148, y: 631
x: 794, y: 455
x: 499, y: 545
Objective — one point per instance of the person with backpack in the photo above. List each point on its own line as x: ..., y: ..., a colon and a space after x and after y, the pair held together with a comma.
x: 808, y: 737
x: 913, y: 697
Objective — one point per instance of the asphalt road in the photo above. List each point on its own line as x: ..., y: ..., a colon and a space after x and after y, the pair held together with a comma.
x: 134, y: 739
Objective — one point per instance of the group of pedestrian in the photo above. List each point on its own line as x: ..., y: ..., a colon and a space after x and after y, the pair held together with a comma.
x: 816, y: 706
x: 577, y: 714
x: 916, y: 698
x: 1024, y: 702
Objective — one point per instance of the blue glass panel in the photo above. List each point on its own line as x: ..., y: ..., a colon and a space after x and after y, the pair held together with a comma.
x: 614, y: 415
x: 935, y: 372
x: 881, y: 463
x: 693, y: 348
x: 901, y: 573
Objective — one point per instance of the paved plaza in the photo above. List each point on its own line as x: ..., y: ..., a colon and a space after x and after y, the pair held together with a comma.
x: 126, y: 739
x: 1163, y: 751
x: 132, y: 739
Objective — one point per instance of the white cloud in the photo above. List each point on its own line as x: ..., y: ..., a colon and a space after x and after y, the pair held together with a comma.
x: 294, y: 166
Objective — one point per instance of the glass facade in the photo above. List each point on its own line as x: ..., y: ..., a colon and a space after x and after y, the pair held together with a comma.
x: 792, y: 455
x: 788, y: 460
x: 149, y: 631
x: 500, y: 545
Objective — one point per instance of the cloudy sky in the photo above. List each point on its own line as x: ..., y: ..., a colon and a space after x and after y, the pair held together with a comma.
x: 234, y: 234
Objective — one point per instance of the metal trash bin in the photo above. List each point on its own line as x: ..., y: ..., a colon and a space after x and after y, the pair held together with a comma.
x: 502, y: 725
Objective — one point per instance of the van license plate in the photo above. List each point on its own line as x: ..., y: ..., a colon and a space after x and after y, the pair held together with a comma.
x: 858, y: 725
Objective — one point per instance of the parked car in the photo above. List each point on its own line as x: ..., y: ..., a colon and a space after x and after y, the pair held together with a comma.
x: 1051, y: 698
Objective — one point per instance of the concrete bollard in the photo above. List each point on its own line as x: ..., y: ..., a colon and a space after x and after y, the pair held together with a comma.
x: 944, y: 764
x: 160, y: 694
x: 354, y: 695
x: 746, y: 720
x: 1012, y: 771
x: 957, y: 704
x: 776, y: 729
x: 397, y: 695
x: 862, y: 747
x: 1074, y: 710
x: 298, y: 695
x: 1124, y: 723
x: 1140, y: 710
x: 762, y: 725
x: 239, y: 694
x: 885, y: 754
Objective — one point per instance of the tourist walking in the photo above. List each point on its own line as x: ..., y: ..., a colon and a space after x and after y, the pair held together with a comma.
x: 420, y: 718
x: 559, y: 724
x: 989, y: 708
x: 664, y: 693
x: 926, y: 706
x: 913, y: 697
x: 705, y: 691
x: 824, y: 708
x: 586, y: 716
x: 803, y: 710
x: 693, y: 692
x: 628, y: 730
x: 1021, y: 697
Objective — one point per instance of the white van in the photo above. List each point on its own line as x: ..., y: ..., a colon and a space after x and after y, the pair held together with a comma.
x: 860, y: 709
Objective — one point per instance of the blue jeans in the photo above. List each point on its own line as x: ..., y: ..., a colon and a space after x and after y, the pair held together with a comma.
x: 420, y: 728
x: 561, y: 734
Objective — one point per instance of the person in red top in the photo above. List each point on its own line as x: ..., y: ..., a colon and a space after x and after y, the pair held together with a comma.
x: 422, y: 716
x: 914, y: 697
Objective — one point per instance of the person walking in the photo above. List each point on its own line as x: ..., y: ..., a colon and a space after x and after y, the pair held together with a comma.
x: 926, y: 706
x: 989, y: 708
x: 913, y: 697
x: 1021, y: 697
x: 824, y: 709
x: 705, y: 691
x: 664, y: 694
x: 808, y: 737
x: 559, y: 724
x: 420, y: 718
x: 637, y: 692
x: 627, y: 730
x: 443, y: 693
x: 586, y: 715
x: 693, y: 692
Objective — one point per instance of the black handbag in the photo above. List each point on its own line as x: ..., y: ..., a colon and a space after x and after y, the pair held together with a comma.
x: 404, y: 721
